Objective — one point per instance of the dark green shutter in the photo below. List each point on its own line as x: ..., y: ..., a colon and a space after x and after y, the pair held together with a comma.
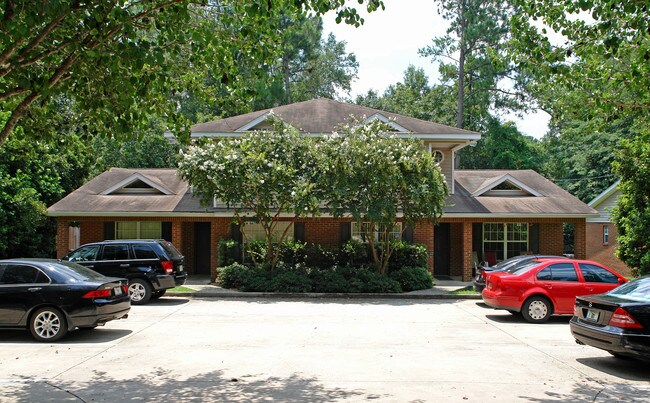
x: 166, y: 228
x: 109, y: 230
x: 235, y: 233
x: 533, y: 238
x: 477, y: 240
x: 407, y: 235
x: 299, y: 231
x: 346, y: 232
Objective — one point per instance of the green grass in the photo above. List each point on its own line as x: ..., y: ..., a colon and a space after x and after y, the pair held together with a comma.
x: 181, y: 289
x: 465, y: 291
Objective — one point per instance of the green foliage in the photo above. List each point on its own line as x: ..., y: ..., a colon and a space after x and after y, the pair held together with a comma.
x: 235, y: 275
x: 412, y: 278
x: 294, y: 253
x: 122, y: 60
x: 407, y: 255
x: 151, y: 150
x: 329, y: 280
x: 354, y: 253
x: 35, y: 173
x: 266, y: 173
x: 632, y: 213
x: 476, y: 44
x: 502, y: 146
x: 229, y: 252
x: 290, y: 281
x: 372, y: 176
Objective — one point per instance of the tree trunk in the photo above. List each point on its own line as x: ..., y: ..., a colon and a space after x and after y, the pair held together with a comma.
x: 460, y: 98
x: 285, y: 71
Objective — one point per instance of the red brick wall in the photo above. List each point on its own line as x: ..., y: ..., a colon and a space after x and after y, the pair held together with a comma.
x: 423, y: 233
x: 325, y: 231
x: 62, y: 238
x: 219, y: 229
x: 599, y: 252
x: 467, y: 250
x: 551, y: 238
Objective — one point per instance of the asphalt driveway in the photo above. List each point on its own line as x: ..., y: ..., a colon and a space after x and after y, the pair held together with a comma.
x: 179, y: 349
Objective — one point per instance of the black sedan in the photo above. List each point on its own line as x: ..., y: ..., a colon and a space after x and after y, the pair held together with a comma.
x: 50, y: 297
x: 617, y: 321
x: 510, y: 263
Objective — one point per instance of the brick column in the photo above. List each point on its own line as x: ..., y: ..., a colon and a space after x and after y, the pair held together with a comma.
x: 423, y: 233
x: 177, y: 235
x: 467, y: 251
x: 219, y: 229
x: 62, y: 237
x: 580, y: 239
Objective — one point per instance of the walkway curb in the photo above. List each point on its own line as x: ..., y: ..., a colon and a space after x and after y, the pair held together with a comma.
x: 278, y: 295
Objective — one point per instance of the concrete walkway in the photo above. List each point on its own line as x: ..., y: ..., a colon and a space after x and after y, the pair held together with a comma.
x: 204, y: 289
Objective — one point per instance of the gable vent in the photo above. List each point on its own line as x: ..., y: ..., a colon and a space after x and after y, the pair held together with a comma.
x: 136, y: 184
x: 505, y: 186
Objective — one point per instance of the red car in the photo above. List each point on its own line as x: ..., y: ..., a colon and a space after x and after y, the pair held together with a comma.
x: 547, y: 287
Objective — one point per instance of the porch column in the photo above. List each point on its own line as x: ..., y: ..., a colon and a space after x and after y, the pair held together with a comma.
x: 423, y: 233
x: 467, y: 250
x: 62, y: 237
x: 580, y: 239
x: 177, y: 235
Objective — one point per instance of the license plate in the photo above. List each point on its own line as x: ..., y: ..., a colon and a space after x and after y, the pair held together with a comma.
x: 118, y: 290
x: 592, y: 316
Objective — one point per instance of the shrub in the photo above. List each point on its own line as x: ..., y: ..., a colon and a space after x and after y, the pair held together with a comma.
x: 407, y: 255
x: 229, y: 252
x: 256, y: 249
x: 290, y: 281
x: 292, y: 252
x: 412, y: 278
x: 233, y: 276
x: 329, y: 280
x: 354, y: 253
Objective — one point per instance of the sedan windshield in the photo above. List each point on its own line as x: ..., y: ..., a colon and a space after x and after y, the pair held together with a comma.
x: 77, y: 272
x: 638, y: 290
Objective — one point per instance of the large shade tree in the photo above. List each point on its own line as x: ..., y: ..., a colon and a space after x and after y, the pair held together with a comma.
x: 122, y: 60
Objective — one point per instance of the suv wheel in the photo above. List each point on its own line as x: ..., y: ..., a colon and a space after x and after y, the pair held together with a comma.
x: 139, y: 291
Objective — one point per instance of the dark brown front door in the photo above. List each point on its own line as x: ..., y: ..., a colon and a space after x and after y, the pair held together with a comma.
x: 441, y: 249
x: 202, y: 248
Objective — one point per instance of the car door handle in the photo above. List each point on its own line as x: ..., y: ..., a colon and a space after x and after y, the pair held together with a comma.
x: 590, y: 289
x: 34, y: 289
x: 90, y: 266
x: 548, y: 286
x: 124, y: 265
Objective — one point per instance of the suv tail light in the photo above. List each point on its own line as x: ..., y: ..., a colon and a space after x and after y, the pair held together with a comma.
x: 621, y: 318
x: 168, y: 265
x: 98, y: 294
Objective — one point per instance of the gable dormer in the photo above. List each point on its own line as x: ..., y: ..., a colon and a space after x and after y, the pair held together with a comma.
x: 262, y: 122
x: 505, y: 186
x: 378, y: 116
x: 137, y: 184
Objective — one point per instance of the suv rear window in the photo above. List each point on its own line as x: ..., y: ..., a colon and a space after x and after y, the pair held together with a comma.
x: 170, y: 249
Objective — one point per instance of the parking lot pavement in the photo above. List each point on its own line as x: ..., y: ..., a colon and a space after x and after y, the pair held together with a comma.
x: 178, y: 349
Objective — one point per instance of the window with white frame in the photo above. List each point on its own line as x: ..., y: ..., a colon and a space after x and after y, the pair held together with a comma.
x: 359, y: 231
x: 255, y: 231
x: 505, y: 239
x: 606, y: 234
x: 138, y: 230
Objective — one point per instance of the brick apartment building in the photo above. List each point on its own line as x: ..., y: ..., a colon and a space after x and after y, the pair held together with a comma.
x: 490, y: 215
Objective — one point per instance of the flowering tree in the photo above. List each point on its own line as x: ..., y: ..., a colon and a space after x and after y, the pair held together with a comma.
x: 262, y: 176
x: 377, y: 178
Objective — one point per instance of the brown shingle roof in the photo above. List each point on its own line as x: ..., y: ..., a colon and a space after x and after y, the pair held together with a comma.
x: 324, y: 115
x: 554, y: 201
x: 87, y: 200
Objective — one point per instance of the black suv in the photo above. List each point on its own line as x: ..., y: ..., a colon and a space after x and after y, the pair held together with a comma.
x: 151, y: 266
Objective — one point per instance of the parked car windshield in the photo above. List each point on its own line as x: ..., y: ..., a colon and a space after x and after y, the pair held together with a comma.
x: 77, y: 272
x: 637, y: 290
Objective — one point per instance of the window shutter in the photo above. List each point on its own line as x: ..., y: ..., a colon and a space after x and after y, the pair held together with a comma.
x: 166, y: 229
x: 533, y: 238
x: 477, y: 239
x: 109, y: 230
x: 346, y: 232
x: 235, y: 233
x: 299, y: 231
x: 407, y: 235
